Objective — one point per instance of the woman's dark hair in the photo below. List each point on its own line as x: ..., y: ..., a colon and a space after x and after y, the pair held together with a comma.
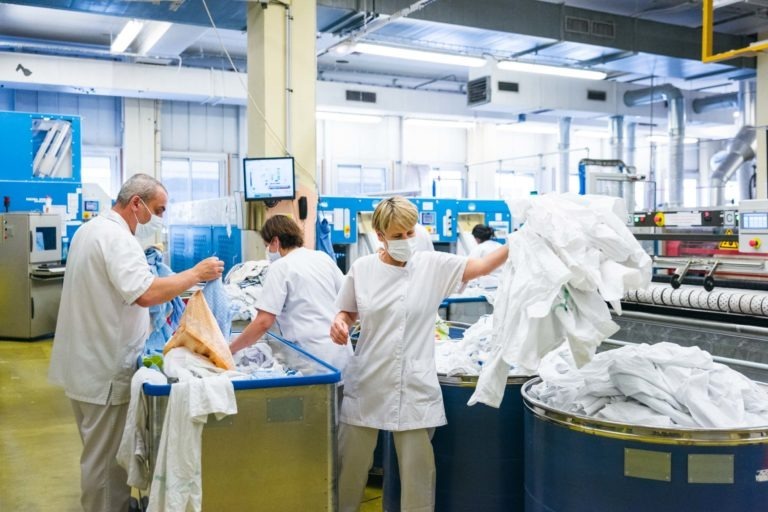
x: 482, y: 232
x: 285, y: 229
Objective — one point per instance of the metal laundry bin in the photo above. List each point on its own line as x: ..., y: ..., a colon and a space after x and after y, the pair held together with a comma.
x: 278, y: 451
x: 478, y: 454
x: 580, y: 464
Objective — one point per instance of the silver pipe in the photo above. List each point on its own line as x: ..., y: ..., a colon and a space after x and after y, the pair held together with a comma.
x: 747, y: 109
x: 715, y: 102
x: 741, y: 149
x: 697, y: 323
x: 84, y: 50
x: 617, y: 138
x: 676, y: 126
x: 564, y: 147
x: 631, y: 144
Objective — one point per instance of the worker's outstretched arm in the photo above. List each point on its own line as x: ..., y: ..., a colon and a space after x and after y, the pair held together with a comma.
x: 477, y: 267
x: 340, y: 327
x: 164, y: 289
x: 254, y: 331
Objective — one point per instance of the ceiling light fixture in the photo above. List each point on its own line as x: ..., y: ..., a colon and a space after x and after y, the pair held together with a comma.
x: 348, y: 118
x: 664, y: 139
x: 527, y: 67
x: 440, y: 123
x: 595, y: 134
x: 126, y: 36
x: 152, y: 34
x: 532, y: 127
x: 418, y: 55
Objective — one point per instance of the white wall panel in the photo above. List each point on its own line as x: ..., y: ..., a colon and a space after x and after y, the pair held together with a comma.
x: 193, y: 127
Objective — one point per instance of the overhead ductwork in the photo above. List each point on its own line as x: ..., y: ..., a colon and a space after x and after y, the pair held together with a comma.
x: 565, y: 153
x: 676, y: 127
x: 740, y: 150
x: 718, y: 101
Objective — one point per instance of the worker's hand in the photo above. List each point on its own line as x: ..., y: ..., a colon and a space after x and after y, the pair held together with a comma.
x: 339, y: 330
x: 209, y: 269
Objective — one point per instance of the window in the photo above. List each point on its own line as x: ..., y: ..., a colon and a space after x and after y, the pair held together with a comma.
x: 509, y: 184
x: 193, y: 178
x: 691, y: 192
x: 360, y: 180
x: 101, y: 166
x: 446, y: 183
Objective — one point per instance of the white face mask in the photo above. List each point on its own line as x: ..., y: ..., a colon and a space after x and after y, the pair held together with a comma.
x: 401, y: 250
x: 272, y: 256
x: 153, y: 226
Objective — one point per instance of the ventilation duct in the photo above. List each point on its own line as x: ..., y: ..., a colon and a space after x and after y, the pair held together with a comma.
x: 676, y: 125
x: 741, y: 149
x: 701, y: 105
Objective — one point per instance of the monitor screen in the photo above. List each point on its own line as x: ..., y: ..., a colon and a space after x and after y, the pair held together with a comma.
x: 45, y: 239
x: 269, y: 179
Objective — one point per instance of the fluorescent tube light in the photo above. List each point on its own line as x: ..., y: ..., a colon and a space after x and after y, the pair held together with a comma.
x: 126, y: 36
x: 527, y: 67
x: 440, y: 123
x: 532, y: 127
x: 348, y: 118
x: 152, y: 34
x: 595, y: 134
x: 664, y: 139
x: 419, y: 55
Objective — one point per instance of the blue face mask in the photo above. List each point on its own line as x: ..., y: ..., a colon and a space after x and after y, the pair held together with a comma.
x: 272, y: 256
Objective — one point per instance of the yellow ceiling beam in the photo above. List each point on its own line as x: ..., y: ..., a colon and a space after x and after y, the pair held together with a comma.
x: 708, y: 34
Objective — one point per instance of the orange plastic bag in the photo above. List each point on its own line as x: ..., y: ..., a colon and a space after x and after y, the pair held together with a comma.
x: 199, y: 332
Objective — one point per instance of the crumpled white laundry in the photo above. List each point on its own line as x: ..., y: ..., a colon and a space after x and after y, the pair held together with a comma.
x: 177, y: 479
x: 133, y: 454
x: 243, y: 284
x: 572, y: 254
x: 654, y: 385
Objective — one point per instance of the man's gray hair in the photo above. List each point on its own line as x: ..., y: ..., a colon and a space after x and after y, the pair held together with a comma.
x: 142, y: 185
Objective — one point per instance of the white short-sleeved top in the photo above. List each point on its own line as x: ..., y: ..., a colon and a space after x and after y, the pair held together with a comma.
x: 300, y: 290
x: 484, y: 249
x: 100, y: 332
x: 391, y: 382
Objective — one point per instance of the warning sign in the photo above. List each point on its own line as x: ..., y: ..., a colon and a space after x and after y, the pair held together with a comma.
x: 727, y: 245
x: 729, y: 231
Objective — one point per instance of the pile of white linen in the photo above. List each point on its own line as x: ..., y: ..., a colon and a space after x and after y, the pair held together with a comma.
x: 572, y: 254
x: 662, y: 385
x: 465, y: 356
x: 243, y: 284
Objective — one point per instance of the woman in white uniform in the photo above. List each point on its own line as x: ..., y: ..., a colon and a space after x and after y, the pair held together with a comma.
x: 391, y: 381
x: 298, y: 294
x: 485, y: 245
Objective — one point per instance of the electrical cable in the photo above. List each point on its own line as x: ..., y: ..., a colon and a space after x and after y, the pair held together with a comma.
x: 252, y: 101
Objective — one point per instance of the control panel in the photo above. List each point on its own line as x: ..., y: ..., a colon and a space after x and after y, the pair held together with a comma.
x: 685, y: 219
x: 753, y: 226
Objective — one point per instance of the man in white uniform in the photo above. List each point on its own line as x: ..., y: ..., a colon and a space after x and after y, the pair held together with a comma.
x: 102, y: 324
x: 391, y: 382
x: 298, y: 293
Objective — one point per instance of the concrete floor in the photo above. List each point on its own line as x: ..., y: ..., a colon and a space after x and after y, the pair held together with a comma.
x: 39, y: 443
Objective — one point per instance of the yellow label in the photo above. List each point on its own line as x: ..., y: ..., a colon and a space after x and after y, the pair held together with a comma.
x: 727, y: 245
x: 728, y: 231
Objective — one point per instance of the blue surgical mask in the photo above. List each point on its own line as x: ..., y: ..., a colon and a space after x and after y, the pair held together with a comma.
x: 273, y: 256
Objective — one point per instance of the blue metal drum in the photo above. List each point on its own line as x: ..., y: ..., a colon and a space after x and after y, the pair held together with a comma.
x: 478, y: 454
x: 580, y: 464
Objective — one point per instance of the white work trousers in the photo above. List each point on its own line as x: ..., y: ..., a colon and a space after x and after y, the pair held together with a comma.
x: 103, y: 484
x: 414, y: 456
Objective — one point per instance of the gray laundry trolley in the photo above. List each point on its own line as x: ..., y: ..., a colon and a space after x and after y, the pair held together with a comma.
x: 278, y: 451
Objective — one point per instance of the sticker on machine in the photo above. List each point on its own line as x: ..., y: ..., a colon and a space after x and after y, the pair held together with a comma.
x: 761, y: 475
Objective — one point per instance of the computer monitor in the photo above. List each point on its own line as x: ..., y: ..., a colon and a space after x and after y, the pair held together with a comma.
x: 269, y: 179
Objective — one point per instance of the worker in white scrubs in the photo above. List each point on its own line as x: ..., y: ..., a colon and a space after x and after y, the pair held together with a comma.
x: 102, y: 325
x: 485, y: 245
x: 483, y: 235
x: 298, y: 294
x: 391, y: 381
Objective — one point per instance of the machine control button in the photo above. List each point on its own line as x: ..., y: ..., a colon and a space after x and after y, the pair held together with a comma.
x: 658, y: 219
x: 754, y: 243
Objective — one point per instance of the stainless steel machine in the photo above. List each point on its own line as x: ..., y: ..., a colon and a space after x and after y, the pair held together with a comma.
x: 31, y: 274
